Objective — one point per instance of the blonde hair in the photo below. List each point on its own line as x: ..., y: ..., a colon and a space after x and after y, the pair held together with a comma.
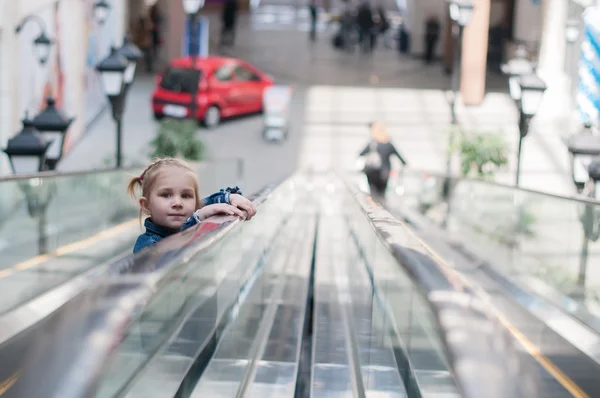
x: 379, y: 132
x: 146, y: 180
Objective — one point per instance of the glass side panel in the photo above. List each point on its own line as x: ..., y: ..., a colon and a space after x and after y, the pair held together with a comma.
x: 164, y: 339
x: 538, y: 240
x: 53, y: 228
x: 409, y: 325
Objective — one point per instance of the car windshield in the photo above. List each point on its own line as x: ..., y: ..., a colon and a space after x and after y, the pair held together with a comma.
x: 181, y: 80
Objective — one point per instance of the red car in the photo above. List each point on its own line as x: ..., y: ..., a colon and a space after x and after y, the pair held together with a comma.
x: 225, y: 87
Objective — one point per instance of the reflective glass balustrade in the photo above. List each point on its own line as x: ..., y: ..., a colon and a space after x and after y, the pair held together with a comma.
x: 544, y: 242
x: 54, y: 227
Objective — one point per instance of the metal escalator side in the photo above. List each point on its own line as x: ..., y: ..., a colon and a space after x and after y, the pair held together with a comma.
x: 323, y: 293
x: 70, y: 352
x: 525, y: 265
x: 445, y: 315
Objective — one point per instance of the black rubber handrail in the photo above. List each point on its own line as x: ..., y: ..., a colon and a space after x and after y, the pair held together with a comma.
x: 478, y: 347
x: 64, y: 353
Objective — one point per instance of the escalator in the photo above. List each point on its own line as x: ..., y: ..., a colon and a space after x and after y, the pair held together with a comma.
x: 322, y: 294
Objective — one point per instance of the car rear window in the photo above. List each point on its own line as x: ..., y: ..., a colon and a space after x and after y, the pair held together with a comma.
x: 180, y: 80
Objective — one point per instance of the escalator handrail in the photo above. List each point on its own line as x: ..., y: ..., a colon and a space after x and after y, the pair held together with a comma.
x: 55, y: 174
x: 571, y: 198
x: 477, y: 361
x: 130, y: 169
x: 103, y: 312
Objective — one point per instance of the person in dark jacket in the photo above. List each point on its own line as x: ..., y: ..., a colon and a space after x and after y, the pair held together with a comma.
x: 378, y: 154
x: 432, y: 35
x: 228, y: 19
x: 314, y: 16
x: 366, y: 26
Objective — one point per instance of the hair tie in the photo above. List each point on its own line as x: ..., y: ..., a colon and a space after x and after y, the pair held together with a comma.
x: 142, y: 177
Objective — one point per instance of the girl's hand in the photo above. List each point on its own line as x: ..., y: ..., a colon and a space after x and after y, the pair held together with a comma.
x: 244, y: 204
x: 219, y: 208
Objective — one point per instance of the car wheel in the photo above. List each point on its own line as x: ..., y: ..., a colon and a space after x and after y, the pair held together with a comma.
x: 212, y: 117
x: 158, y: 116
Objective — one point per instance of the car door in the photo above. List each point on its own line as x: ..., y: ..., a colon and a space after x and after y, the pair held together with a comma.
x: 223, y: 90
x: 251, y: 86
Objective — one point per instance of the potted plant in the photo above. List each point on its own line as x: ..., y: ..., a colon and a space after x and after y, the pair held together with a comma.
x: 481, y: 155
x: 177, y: 138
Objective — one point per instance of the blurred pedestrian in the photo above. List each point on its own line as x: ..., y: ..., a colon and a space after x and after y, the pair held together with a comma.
x: 377, y: 159
x: 229, y: 17
x: 432, y: 35
x: 314, y: 15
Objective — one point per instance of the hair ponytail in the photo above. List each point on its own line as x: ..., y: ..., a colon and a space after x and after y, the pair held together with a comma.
x: 135, y: 181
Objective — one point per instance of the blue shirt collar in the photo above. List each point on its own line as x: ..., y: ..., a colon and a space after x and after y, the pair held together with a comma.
x: 157, y: 229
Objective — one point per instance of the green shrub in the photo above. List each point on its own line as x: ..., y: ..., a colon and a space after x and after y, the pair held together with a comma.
x: 177, y: 138
x: 481, y: 155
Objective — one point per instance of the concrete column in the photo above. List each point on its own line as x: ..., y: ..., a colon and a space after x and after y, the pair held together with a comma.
x: 474, y: 55
x: 176, y: 20
x: 551, y: 59
x: 553, y: 44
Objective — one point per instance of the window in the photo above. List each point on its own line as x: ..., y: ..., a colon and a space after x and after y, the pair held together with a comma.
x: 181, y: 80
x: 245, y: 74
x: 225, y: 73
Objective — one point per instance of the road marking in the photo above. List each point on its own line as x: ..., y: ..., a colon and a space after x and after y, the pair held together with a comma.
x: 530, y: 347
x: 69, y: 248
x: 8, y: 383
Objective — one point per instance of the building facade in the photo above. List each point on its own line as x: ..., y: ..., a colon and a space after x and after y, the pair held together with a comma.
x: 69, y: 75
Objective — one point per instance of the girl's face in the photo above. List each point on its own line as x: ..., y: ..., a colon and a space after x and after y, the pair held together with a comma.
x: 172, y: 199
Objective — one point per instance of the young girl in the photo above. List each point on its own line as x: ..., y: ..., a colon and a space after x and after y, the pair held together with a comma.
x: 170, y: 199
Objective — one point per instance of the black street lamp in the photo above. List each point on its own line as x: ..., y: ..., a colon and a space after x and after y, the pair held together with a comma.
x: 583, y: 146
x: 112, y: 70
x: 27, y: 150
x: 461, y: 12
x: 101, y: 11
x: 42, y: 43
x: 132, y: 54
x: 532, y: 92
x: 191, y: 8
x: 514, y: 69
x: 53, y: 127
x: 590, y: 221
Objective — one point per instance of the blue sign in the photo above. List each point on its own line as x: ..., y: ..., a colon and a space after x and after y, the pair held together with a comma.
x: 195, y: 38
x: 588, y: 95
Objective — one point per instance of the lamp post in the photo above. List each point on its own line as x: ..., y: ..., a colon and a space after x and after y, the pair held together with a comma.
x: 27, y: 154
x: 191, y: 8
x: 112, y: 70
x: 53, y: 127
x: 27, y: 150
x: 514, y: 69
x: 532, y: 91
x: 132, y: 54
x: 461, y: 12
x: 101, y: 11
x: 42, y: 43
x: 591, y: 227
x: 583, y: 146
